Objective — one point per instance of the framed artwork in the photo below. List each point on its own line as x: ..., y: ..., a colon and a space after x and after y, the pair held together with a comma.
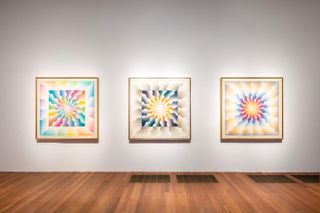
x: 66, y: 108
x: 160, y: 109
x: 251, y: 109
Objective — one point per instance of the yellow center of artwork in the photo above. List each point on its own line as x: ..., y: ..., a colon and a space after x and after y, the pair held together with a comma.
x: 252, y: 108
x: 160, y: 108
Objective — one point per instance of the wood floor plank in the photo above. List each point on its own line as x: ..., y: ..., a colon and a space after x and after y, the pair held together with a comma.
x: 54, y: 195
x: 27, y: 187
x: 112, y: 192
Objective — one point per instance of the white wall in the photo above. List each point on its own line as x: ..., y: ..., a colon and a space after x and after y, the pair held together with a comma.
x: 201, y: 39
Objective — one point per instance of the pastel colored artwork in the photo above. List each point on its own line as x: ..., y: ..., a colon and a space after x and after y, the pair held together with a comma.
x: 159, y: 109
x: 67, y: 108
x: 251, y: 109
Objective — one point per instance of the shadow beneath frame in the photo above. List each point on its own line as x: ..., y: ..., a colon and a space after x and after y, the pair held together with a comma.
x: 159, y: 141
x: 69, y: 141
x: 251, y: 140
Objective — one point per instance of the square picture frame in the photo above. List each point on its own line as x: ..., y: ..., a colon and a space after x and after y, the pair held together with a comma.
x: 67, y: 108
x: 159, y: 109
x: 251, y: 109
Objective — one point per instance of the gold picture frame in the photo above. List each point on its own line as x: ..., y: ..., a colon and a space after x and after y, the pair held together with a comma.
x: 178, y: 131
x: 251, y: 109
x: 67, y: 109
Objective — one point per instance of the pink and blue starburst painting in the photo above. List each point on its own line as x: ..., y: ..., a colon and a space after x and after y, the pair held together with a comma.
x: 67, y: 108
x: 251, y: 108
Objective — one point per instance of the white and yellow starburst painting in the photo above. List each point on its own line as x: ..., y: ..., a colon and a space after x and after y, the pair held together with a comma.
x: 159, y: 109
x: 252, y: 109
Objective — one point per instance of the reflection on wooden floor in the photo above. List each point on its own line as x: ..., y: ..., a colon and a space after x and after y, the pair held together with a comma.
x: 113, y: 192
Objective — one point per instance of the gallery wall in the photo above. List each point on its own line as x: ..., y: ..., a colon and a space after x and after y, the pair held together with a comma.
x: 204, y: 40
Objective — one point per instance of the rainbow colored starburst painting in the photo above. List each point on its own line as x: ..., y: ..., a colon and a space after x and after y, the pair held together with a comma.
x: 159, y: 109
x: 251, y: 108
x: 67, y: 108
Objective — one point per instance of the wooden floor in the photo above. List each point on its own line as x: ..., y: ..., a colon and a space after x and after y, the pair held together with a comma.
x: 112, y: 192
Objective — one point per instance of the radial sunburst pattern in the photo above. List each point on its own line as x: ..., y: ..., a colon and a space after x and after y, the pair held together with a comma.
x: 252, y: 108
x: 159, y: 108
x: 67, y: 108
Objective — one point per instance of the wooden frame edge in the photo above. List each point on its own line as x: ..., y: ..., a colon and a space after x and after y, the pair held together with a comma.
x: 253, y: 140
x: 159, y: 140
x: 66, y: 140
